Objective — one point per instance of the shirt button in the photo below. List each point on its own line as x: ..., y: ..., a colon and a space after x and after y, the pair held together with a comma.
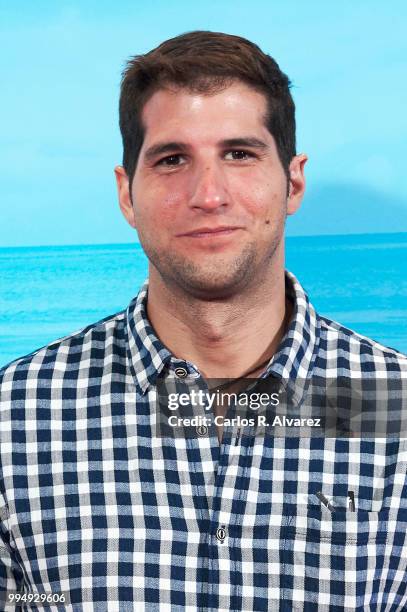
x: 181, y: 372
x: 202, y: 430
x: 221, y: 534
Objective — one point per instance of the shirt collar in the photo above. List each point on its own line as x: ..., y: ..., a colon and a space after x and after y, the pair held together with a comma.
x: 148, y: 355
x: 293, y: 360
x: 296, y: 354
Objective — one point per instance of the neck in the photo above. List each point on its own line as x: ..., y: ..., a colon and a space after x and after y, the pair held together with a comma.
x: 223, y: 338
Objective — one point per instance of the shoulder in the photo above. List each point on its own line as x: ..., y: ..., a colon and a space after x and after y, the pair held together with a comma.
x: 67, y: 353
x: 358, y: 353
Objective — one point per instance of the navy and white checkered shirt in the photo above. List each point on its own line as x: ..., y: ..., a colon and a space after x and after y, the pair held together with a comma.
x: 96, y: 506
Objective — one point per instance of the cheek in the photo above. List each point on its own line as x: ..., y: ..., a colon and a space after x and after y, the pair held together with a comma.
x: 263, y: 202
x: 262, y: 191
x: 169, y: 203
x: 157, y: 207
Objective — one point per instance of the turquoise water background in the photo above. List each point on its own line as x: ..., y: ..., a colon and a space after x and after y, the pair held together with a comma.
x: 48, y: 292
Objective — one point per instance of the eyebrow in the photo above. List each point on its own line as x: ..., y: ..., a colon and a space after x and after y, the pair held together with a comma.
x: 169, y: 147
x: 164, y: 147
x: 253, y: 143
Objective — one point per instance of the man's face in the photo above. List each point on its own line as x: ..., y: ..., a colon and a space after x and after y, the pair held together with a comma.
x: 209, y: 195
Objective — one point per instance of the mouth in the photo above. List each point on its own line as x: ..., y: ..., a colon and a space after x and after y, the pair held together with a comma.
x: 205, y: 232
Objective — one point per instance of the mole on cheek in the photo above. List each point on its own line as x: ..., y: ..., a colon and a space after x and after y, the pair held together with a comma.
x: 267, y: 221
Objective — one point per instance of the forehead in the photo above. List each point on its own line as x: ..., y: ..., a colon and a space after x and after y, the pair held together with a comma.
x: 234, y: 110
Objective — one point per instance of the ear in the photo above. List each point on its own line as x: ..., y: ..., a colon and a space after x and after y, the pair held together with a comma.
x: 123, y: 191
x: 296, y: 183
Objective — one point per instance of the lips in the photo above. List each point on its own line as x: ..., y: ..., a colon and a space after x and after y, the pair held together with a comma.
x: 209, y: 231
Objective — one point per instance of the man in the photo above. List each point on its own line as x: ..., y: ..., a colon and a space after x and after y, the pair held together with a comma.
x: 97, y: 504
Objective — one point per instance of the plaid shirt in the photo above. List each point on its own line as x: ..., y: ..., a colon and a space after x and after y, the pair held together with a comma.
x: 94, y: 505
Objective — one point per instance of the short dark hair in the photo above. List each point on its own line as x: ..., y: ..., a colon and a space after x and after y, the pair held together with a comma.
x: 205, y: 62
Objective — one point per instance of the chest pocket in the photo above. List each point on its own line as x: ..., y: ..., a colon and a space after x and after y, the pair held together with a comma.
x: 345, y: 560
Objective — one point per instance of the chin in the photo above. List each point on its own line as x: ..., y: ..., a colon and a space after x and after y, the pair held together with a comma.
x: 210, y: 289
x: 213, y: 281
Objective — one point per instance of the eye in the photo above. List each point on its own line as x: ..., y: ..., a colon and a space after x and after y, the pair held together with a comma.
x: 238, y: 154
x: 171, y: 160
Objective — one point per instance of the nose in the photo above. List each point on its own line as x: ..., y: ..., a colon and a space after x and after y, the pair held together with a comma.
x: 209, y: 188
